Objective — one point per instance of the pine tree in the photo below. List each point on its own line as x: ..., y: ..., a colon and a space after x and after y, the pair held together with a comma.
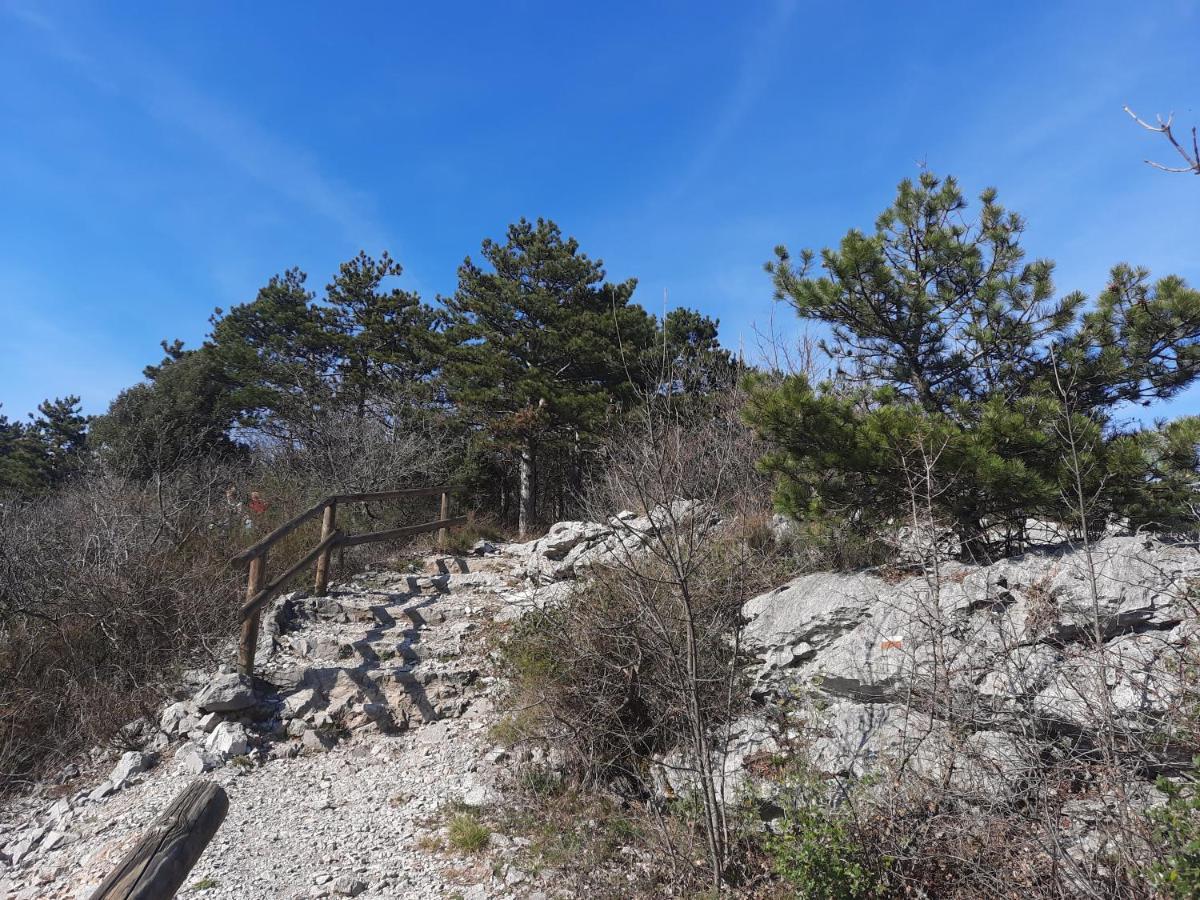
x: 696, y: 363
x: 183, y: 411
x: 45, y: 452
x: 278, y: 354
x: 384, y: 339
x: 22, y: 461
x: 947, y: 343
x: 289, y: 355
x: 62, y: 430
x: 539, y: 347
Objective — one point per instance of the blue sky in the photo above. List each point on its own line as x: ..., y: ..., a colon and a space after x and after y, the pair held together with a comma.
x: 158, y: 160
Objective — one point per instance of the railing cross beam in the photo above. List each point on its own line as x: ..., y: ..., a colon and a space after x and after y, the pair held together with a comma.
x: 259, y: 591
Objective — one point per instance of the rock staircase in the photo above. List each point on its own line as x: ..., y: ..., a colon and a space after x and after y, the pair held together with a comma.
x: 371, y: 714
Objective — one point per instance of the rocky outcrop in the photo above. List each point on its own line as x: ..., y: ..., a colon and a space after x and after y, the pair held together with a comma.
x: 572, y: 549
x: 1023, y: 628
x: 972, y: 680
x: 536, y: 597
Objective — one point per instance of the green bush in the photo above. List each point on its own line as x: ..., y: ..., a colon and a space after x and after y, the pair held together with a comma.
x: 816, y: 849
x: 1176, y: 827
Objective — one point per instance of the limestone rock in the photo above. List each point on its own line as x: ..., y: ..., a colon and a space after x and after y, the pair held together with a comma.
x: 519, y: 605
x: 317, y: 740
x: 100, y: 791
x: 229, y: 739
x: 1137, y: 678
x: 227, y: 693
x: 195, y: 760
x: 810, y: 611
x: 300, y: 704
x: 548, y: 558
x: 130, y: 764
x: 174, y: 716
x: 348, y: 886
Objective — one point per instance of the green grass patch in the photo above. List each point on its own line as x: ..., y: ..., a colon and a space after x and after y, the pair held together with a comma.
x: 467, y: 834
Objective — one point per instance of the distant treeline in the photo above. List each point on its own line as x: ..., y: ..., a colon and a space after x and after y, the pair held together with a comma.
x: 954, y: 366
x: 524, y: 366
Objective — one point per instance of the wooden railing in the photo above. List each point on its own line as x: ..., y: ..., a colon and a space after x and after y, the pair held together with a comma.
x: 259, y: 591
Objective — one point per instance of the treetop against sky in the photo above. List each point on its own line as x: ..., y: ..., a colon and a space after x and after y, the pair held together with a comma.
x: 160, y: 160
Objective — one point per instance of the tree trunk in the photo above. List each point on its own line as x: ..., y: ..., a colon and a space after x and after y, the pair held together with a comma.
x: 527, y: 511
x: 575, y: 487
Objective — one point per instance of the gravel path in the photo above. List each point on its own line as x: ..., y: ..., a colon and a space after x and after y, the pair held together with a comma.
x: 392, y: 666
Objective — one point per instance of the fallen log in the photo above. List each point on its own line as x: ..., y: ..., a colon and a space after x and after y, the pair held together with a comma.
x: 160, y: 862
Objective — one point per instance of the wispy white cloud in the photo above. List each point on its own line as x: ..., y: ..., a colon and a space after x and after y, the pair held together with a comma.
x: 250, y: 149
x: 141, y: 78
x: 759, y: 62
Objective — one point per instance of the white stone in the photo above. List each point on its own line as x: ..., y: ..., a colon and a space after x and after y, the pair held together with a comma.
x: 195, y: 760
x: 226, y: 693
x: 173, y: 716
x: 102, y: 790
x: 129, y: 765
x: 229, y: 739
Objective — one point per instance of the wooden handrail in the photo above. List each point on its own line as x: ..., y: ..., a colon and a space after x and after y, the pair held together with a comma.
x: 260, y: 599
x: 259, y: 591
x: 407, y: 531
x: 261, y: 546
x: 399, y: 494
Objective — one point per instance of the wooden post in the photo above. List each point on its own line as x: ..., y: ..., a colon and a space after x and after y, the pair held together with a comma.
x: 444, y: 533
x: 328, y: 524
x: 249, y: 639
x: 160, y: 862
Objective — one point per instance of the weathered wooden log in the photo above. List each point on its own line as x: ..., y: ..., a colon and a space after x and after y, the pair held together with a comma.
x: 160, y: 862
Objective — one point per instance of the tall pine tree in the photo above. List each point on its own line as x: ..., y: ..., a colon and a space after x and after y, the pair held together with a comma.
x: 278, y: 355
x: 384, y: 339
x: 539, y: 348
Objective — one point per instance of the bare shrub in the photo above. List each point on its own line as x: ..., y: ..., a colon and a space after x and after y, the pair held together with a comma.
x: 388, y: 444
x: 105, y: 588
x: 111, y: 585
x: 646, y: 662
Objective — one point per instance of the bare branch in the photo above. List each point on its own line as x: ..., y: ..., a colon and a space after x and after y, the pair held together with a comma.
x: 1164, y: 127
